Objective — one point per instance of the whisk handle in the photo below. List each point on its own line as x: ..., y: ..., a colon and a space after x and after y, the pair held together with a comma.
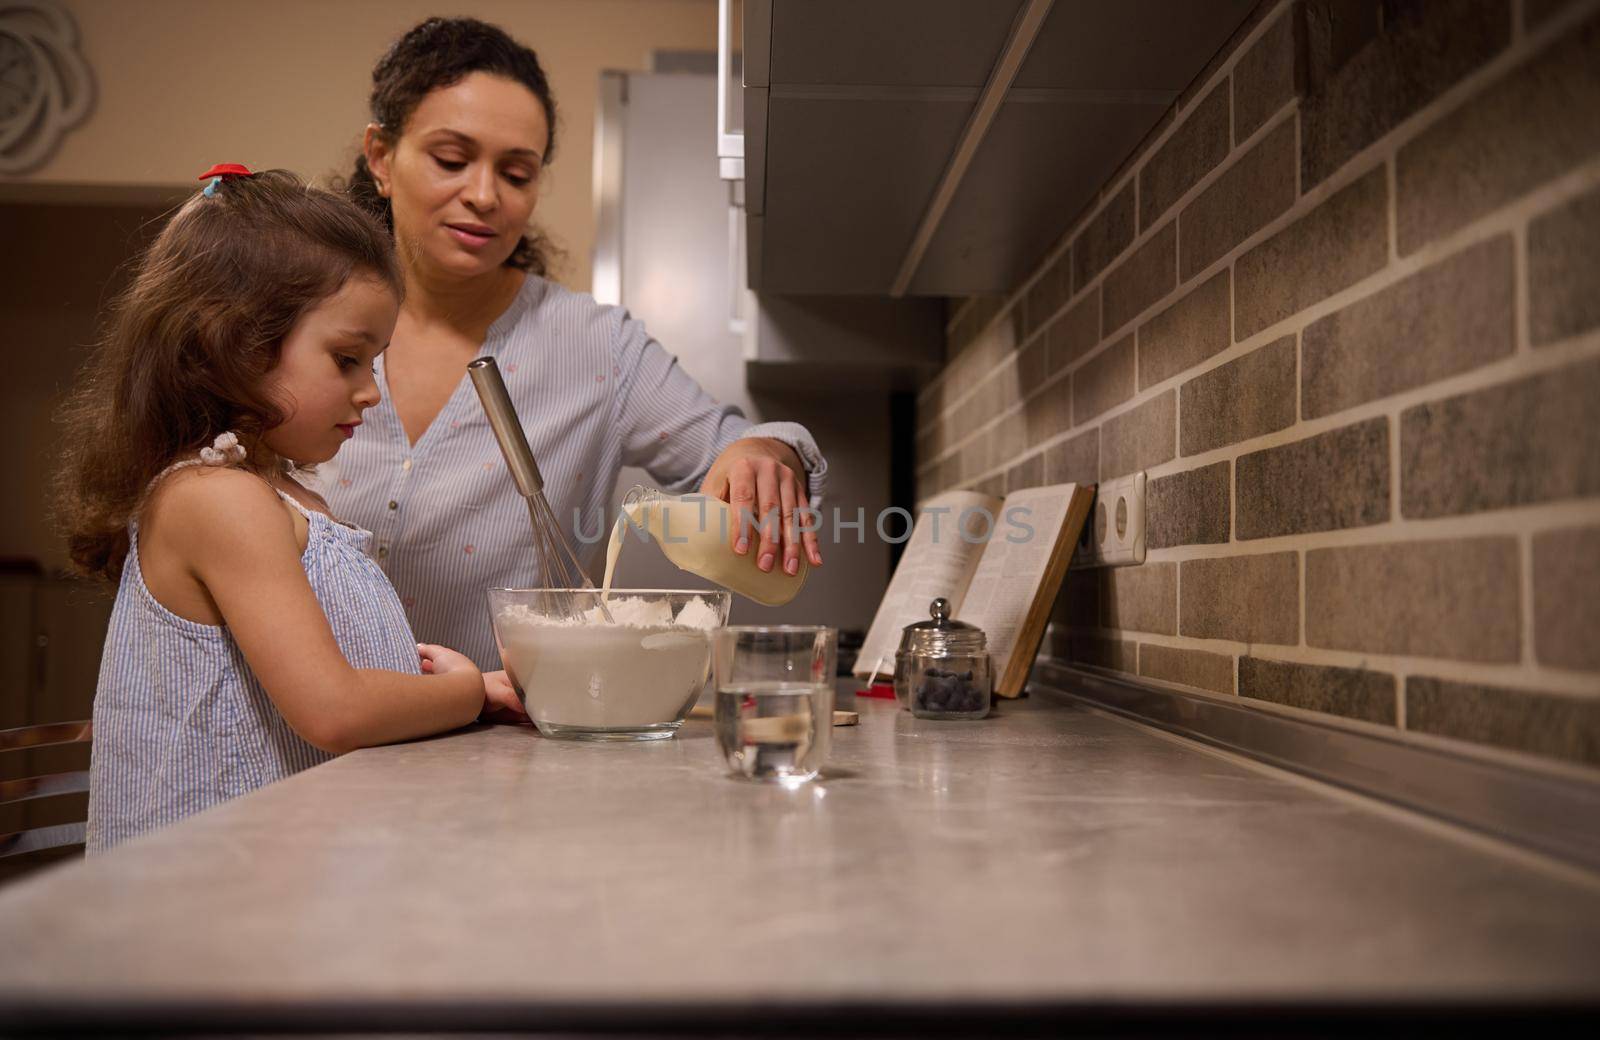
x: 502, y: 415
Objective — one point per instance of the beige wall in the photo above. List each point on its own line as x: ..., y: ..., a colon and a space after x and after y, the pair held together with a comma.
x: 182, y: 84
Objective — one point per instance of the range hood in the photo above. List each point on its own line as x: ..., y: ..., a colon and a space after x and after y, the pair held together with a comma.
x: 941, y: 147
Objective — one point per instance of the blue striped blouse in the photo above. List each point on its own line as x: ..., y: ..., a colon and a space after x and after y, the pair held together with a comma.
x: 595, y: 393
x: 180, y: 720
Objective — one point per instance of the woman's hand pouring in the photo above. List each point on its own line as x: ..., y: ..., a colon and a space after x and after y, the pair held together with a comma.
x: 765, y: 483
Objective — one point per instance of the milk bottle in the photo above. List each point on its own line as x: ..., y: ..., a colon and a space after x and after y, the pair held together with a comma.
x: 695, y: 533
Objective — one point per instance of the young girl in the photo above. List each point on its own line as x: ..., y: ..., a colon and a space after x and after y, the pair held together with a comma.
x: 252, y: 635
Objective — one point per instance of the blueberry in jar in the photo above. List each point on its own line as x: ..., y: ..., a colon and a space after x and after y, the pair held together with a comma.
x: 948, y: 691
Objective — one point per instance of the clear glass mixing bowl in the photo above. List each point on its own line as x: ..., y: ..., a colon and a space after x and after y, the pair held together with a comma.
x: 583, y: 679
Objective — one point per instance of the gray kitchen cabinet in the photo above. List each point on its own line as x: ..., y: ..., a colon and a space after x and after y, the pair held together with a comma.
x: 941, y: 147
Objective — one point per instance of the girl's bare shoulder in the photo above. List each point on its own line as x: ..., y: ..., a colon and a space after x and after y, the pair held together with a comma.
x: 204, y: 508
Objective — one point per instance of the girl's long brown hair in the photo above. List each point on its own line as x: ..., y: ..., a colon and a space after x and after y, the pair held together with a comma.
x: 186, y: 347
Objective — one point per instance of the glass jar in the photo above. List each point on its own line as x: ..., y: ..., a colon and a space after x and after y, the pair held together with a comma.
x: 941, y: 670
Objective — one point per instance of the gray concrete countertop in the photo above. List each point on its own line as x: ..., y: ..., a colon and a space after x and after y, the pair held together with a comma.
x: 1049, y: 856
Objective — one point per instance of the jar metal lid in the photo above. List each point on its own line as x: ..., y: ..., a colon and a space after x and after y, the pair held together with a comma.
x: 942, y: 635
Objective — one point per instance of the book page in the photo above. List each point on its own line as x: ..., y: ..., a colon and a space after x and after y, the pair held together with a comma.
x: 937, y: 561
x: 1013, y: 564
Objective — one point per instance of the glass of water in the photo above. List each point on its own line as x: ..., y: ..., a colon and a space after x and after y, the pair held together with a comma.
x: 774, y: 711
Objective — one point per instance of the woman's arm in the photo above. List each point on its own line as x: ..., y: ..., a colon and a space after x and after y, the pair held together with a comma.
x: 686, y: 440
x: 238, y: 541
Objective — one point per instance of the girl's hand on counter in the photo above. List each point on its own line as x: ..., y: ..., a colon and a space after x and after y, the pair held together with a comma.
x: 760, y: 477
x: 500, y: 700
x: 441, y: 660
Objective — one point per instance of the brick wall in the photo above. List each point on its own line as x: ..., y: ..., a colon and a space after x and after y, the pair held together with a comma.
x: 1343, y: 306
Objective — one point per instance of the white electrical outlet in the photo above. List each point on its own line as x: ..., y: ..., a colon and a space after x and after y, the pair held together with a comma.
x: 1113, y: 536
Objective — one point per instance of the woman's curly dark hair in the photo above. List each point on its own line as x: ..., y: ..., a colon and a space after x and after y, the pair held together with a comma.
x: 441, y: 52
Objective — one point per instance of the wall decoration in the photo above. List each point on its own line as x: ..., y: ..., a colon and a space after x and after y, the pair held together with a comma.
x: 45, y: 86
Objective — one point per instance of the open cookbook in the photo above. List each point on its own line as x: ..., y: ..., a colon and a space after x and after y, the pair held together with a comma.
x: 1000, y: 563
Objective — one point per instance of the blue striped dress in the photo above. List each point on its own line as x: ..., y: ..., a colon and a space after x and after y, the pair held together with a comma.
x: 182, y: 723
x: 595, y: 393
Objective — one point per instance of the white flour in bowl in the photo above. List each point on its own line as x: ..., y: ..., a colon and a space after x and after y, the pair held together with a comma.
x: 642, y: 671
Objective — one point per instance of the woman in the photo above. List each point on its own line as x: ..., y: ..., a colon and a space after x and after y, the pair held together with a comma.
x: 462, y: 125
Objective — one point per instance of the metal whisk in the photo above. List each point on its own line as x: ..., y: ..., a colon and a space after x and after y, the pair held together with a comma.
x: 558, y: 567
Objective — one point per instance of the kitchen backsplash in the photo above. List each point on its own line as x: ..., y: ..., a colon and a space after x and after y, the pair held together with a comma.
x: 1344, y: 307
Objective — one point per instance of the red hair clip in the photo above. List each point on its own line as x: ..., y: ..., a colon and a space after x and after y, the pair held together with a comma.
x: 220, y: 171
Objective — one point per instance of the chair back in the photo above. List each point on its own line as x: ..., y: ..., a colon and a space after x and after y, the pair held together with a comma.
x: 24, y: 847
